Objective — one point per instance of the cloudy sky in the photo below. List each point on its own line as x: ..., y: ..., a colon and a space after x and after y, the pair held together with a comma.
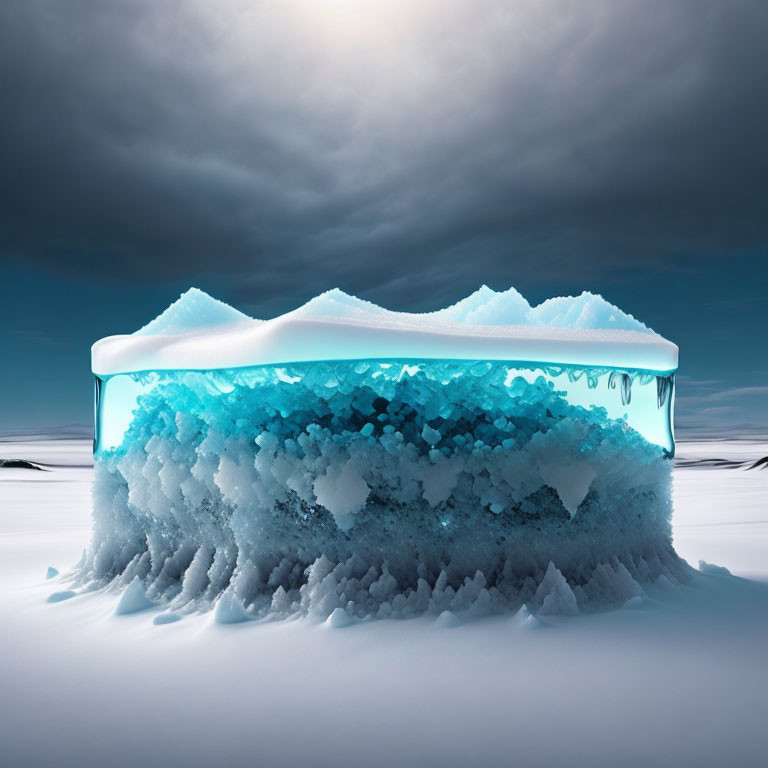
x: 403, y: 150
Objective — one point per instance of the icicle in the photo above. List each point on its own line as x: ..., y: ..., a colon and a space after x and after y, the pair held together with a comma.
x: 626, y: 385
x: 626, y: 389
x: 663, y: 388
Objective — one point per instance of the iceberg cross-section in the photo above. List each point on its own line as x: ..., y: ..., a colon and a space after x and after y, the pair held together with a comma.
x: 343, y: 456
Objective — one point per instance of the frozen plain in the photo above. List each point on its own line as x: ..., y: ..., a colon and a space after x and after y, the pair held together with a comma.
x: 681, y: 680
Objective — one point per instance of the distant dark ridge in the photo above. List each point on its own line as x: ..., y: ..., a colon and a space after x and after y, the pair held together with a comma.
x: 740, y: 433
x: 715, y: 463
x: 20, y: 464
x: 722, y: 463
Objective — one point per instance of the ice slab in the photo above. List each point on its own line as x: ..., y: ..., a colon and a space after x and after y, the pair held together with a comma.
x: 200, y: 333
x: 345, y: 460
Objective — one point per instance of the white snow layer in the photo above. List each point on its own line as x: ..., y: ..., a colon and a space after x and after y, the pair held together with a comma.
x: 198, y: 332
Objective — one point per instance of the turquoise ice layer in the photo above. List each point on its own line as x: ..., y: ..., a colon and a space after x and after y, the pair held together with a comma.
x: 642, y: 400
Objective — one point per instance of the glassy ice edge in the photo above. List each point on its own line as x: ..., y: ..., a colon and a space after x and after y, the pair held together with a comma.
x: 382, y: 488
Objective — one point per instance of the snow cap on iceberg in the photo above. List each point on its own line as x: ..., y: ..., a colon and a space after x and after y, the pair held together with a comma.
x: 336, y: 303
x: 487, y: 307
x: 585, y: 311
x: 194, y: 310
x: 198, y: 332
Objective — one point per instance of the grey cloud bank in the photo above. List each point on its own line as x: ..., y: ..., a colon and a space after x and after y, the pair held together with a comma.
x: 143, y: 138
x: 406, y: 152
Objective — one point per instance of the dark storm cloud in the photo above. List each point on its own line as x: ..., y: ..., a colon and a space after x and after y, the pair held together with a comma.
x: 390, y: 146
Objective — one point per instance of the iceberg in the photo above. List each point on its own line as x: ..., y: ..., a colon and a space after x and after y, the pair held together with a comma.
x: 347, y: 460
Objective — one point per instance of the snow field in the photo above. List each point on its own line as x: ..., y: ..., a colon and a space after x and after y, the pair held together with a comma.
x: 676, y: 679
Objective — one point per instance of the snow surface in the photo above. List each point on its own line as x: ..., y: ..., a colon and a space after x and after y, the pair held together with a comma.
x: 198, y: 332
x: 676, y: 678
